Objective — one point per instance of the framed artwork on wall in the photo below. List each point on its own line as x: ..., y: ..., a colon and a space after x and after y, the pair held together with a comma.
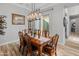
x: 18, y: 19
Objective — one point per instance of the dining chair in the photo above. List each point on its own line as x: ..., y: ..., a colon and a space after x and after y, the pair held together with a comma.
x: 25, y: 31
x: 21, y: 41
x: 45, y: 33
x: 30, y: 30
x: 50, y: 48
x: 28, y: 47
x: 39, y: 33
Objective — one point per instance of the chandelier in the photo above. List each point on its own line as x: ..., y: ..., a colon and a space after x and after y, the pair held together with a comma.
x: 35, y: 14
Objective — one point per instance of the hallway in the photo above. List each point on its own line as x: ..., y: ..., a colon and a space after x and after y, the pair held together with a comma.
x: 74, y: 37
x: 71, y: 47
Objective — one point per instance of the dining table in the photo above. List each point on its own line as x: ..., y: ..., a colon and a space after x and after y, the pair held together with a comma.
x: 39, y: 42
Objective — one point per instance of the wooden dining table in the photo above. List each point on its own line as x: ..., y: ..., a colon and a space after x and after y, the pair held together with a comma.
x: 39, y: 42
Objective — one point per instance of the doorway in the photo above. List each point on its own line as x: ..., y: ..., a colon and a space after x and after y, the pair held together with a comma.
x: 74, y: 28
x: 46, y: 23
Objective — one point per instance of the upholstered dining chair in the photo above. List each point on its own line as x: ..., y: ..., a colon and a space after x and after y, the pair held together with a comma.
x: 50, y: 48
x: 21, y: 41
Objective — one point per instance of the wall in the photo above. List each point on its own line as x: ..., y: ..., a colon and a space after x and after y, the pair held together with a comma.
x: 12, y: 30
x: 73, y: 10
x: 56, y: 22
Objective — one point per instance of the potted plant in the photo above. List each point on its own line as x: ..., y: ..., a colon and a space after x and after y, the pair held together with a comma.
x: 2, y: 25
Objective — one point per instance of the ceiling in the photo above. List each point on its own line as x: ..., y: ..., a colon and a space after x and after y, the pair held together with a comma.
x: 43, y: 5
x: 67, y: 5
x: 28, y: 6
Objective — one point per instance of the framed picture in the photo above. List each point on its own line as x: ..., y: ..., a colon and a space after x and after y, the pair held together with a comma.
x: 18, y: 19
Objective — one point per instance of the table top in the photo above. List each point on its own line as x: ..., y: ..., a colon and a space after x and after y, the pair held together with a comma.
x: 41, y: 39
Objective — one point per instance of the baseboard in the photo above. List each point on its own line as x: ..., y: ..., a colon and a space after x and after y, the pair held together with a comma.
x: 9, y: 42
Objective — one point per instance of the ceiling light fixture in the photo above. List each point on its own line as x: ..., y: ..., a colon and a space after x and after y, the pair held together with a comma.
x: 35, y: 14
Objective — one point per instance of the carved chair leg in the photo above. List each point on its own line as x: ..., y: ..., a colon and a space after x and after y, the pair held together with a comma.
x: 24, y: 51
x: 20, y: 48
x: 55, y: 54
x: 30, y: 52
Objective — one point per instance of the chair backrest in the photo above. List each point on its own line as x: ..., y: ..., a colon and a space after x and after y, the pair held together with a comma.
x: 21, y: 37
x: 45, y: 33
x: 55, y: 40
x: 29, y: 30
x: 39, y: 33
x: 20, y: 34
x: 24, y: 31
x: 27, y: 40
